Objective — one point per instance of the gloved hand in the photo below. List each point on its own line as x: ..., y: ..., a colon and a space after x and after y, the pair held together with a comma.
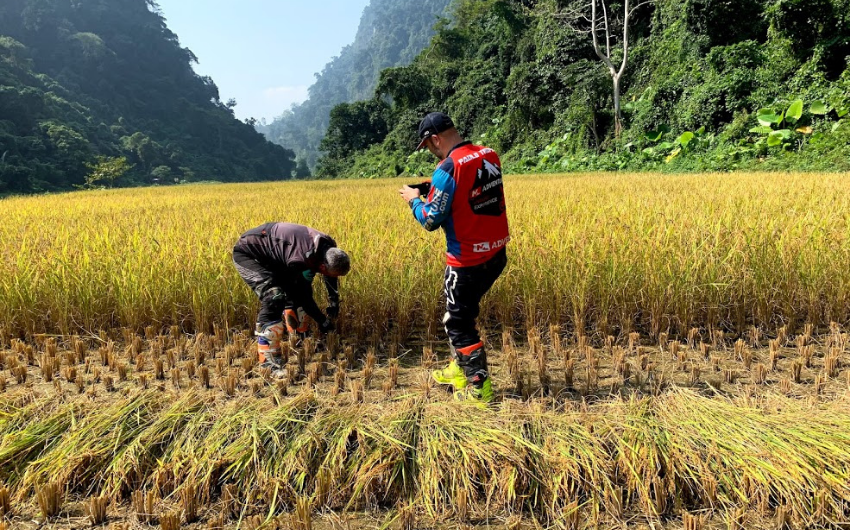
x: 332, y: 311
x: 327, y: 326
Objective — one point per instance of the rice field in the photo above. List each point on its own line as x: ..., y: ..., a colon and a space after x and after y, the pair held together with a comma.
x: 597, y: 254
x: 668, y: 352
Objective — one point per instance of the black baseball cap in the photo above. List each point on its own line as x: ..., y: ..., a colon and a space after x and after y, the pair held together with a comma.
x: 433, y: 124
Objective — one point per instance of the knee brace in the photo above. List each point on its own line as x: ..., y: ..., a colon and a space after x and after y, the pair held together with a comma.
x: 268, y: 340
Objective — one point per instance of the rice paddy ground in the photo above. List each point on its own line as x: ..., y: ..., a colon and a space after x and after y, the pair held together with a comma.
x: 623, y: 433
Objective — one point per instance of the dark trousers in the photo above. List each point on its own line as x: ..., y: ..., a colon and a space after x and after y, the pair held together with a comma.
x: 464, y: 287
x: 269, y: 287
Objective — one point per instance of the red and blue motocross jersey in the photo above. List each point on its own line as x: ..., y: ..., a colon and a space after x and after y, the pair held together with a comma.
x: 467, y: 200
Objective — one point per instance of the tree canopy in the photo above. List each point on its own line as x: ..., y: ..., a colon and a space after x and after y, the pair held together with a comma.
x: 710, y: 85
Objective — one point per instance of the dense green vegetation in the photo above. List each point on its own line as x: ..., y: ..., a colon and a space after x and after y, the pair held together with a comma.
x: 391, y: 33
x: 710, y: 85
x: 101, y: 93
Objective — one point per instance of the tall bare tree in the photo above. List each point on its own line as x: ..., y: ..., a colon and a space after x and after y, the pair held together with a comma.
x: 603, y: 25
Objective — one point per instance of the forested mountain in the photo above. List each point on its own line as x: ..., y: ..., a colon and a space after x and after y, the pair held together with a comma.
x: 101, y: 91
x: 709, y: 85
x: 391, y: 33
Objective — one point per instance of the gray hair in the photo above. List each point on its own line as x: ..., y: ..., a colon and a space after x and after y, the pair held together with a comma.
x: 337, y: 261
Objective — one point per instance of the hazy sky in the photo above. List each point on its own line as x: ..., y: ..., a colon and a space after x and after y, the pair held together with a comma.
x: 264, y: 53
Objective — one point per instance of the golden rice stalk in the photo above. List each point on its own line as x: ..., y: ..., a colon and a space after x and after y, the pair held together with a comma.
x: 29, y: 353
x: 303, y: 514
x: 832, y: 363
x: 230, y: 355
x: 634, y: 342
x: 5, y: 502
x: 760, y: 374
x: 393, y: 373
x: 122, y: 371
x: 783, y: 518
x: 582, y: 345
x: 20, y: 374
x: 200, y: 356
x: 228, y: 384
x: 807, y: 353
x: 189, y: 502
x: 662, y: 341
x: 356, y: 390
x: 313, y: 375
x: 428, y: 357
x: 136, y: 346
x: 204, y: 373
x: 169, y: 521
x: 49, y: 498
x: 426, y: 384
x: 512, y: 362
x: 820, y: 383
x: 692, y: 522
x: 570, y: 517
x: 323, y: 364
x: 569, y: 373
x: 255, y: 522
x: 796, y: 371
x: 48, y: 367
x: 96, y: 509
x: 230, y: 500
x: 695, y: 375
x: 143, y: 505
x: 302, y: 358
x: 368, y: 372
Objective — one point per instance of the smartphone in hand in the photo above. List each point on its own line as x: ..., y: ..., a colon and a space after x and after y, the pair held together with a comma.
x: 423, y: 187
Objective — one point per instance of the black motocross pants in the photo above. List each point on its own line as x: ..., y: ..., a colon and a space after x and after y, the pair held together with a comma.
x: 275, y: 293
x: 464, y: 287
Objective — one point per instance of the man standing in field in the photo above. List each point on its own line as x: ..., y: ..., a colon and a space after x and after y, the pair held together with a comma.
x: 467, y: 200
x: 278, y: 261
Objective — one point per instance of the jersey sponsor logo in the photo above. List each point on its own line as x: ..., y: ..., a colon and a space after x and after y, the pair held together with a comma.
x: 439, y: 204
x: 489, y: 246
x: 487, y: 194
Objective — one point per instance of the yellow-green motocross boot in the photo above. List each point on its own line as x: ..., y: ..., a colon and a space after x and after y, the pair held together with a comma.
x: 451, y: 375
x: 481, y: 396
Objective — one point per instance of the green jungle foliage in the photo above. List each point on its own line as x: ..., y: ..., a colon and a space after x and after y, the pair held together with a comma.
x: 100, y: 93
x: 391, y: 33
x: 710, y: 85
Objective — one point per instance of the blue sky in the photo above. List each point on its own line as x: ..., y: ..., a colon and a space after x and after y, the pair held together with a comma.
x: 264, y: 53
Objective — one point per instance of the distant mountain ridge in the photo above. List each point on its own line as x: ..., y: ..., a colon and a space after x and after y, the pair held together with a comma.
x: 391, y: 33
